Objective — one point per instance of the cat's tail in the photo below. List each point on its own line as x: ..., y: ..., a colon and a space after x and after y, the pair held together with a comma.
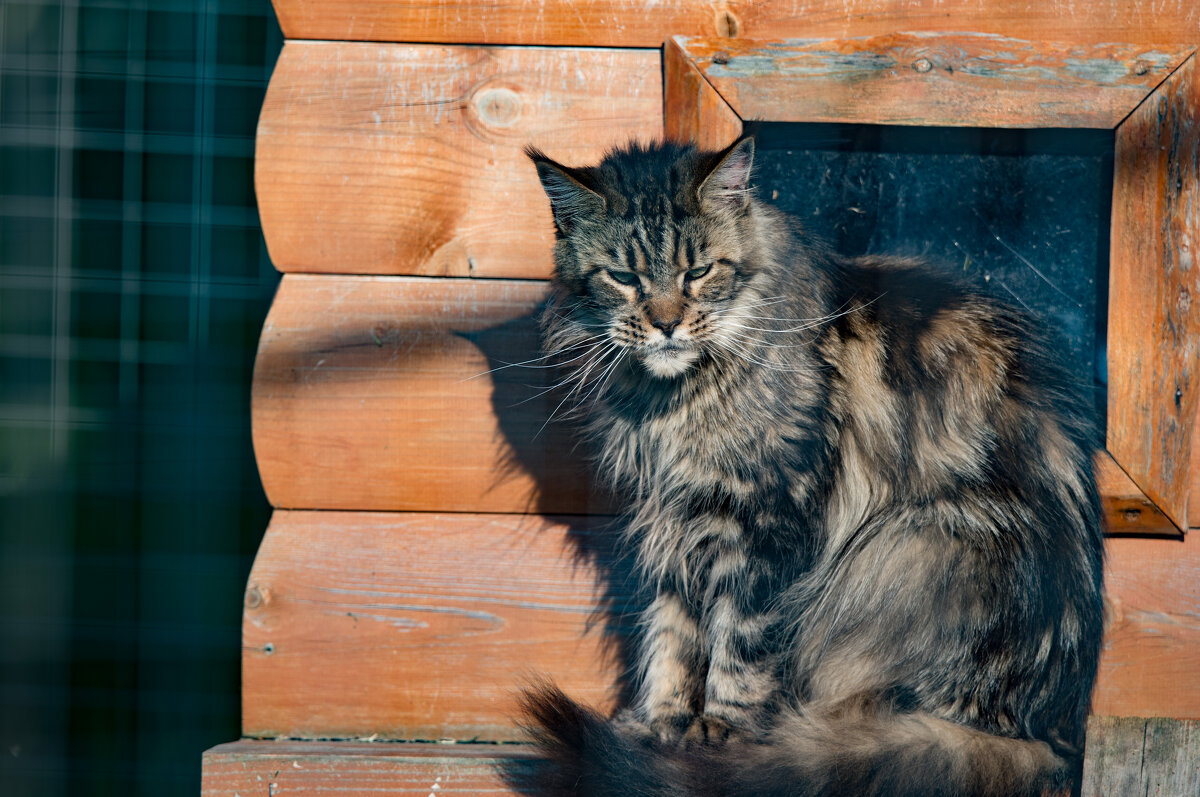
x: 855, y: 749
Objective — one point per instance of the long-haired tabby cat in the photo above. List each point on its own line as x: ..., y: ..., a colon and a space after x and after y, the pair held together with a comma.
x: 860, y: 495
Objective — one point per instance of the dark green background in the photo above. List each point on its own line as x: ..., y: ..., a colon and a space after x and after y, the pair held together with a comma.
x: 133, y: 286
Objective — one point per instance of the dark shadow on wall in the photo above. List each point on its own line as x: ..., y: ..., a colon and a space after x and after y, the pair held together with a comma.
x: 542, y: 443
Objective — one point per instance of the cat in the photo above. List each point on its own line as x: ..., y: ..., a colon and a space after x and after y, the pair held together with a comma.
x: 860, y: 496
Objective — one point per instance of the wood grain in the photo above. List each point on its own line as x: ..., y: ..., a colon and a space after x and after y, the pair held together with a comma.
x: 373, y: 393
x: 693, y: 111
x: 1127, y: 510
x: 1125, y: 756
x: 391, y: 159
x: 1131, y: 755
x: 349, y: 769
x: 1152, y: 644
x: 627, y: 23
x: 949, y: 80
x: 420, y: 626
x: 1154, y: 282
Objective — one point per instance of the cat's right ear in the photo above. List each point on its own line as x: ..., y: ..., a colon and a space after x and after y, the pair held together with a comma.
x: 570, y: 199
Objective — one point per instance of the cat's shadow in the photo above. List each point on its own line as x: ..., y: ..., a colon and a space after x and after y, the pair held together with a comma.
x: 542, y: 444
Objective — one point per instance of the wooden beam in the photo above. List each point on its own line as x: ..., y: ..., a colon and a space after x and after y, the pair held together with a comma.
x: 928, y: 79
x: 1154, y: 287
x: 628, y: 23
x: 1152, y: 639
x: 407, y: 159
x: 1125, y: 756
x: 693, y: 111
x: 422, y: 625
x: 374, y: 393
x: 351, y: 769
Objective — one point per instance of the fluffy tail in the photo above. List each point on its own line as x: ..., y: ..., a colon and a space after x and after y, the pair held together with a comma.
x: 861, y: 750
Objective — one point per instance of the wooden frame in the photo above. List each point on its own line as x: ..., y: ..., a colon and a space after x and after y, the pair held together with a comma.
x: 1150, y: 96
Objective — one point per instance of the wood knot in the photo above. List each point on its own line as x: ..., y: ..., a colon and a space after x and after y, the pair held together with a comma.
x: 922, y: 65
x: 498, y: 107
x: 727, y: 24
x: 1131, y: 515
x: 256, y: 597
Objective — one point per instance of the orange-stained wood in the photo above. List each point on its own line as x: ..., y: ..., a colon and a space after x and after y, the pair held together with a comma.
x: 1194, y: 490
x: 407, y: 159
x: 374, y: 393
x: 371, y: 393
x: 632, y: 23
x: 693, y: 112
x: 1127, y: 510
x: 1152, y: 644
x: 419, y: 626
x: 358, y: 769
x: 951, y: 80
x: 1124, y: 756
x: 1154, y: 287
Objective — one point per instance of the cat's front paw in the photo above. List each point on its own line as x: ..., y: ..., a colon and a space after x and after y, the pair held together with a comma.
x: 671, y: 728
x: 707, y: 730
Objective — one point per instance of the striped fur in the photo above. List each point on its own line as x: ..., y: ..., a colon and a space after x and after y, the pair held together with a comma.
x: 861, y: 495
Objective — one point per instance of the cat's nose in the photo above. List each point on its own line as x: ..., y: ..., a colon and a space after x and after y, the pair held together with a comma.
x: 667, y: 325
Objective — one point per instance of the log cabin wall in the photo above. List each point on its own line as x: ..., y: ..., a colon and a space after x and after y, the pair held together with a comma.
x: 432, y: 544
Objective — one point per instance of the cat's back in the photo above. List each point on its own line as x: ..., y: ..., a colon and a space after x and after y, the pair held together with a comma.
x: 940, y: 385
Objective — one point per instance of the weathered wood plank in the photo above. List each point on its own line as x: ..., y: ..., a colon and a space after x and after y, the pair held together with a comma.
x: 349, y: 769
x: 1131, y: 755
x: 693, y: 112
x: 1153, y: 321
x: 407, y: 159
x: 419, y: 626
x: 1127, y: 510
x: 1152, y: 643
x: 373, y: 393
x: 627, y: 23
x: 370, y: 393
x: 950, y: 80
x: 1125, y: 756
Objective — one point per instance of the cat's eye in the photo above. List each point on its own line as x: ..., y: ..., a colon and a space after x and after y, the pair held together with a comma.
x: 697, y: 272
x: 623, y: 277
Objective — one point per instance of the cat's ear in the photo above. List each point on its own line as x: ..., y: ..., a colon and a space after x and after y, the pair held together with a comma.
x: 727, y: 184
x: 570, y: 199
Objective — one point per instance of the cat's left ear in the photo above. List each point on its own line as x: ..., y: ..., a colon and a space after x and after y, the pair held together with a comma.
x: 570, y: 199
x: 727, y: 185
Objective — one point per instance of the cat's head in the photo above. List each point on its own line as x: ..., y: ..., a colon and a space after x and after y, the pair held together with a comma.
x: 654, y: 244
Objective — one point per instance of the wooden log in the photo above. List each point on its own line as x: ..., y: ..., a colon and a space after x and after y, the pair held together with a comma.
x: 407, y: 159
x: 1154, y: 279
x: 372, y: 393
x: 350, y: 769
x: 1131, y: 755
x: 626, y: 23
x: 928, y: 79
x: 1152, y: 641
x: 421, y: 626
x: 693, y: 112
